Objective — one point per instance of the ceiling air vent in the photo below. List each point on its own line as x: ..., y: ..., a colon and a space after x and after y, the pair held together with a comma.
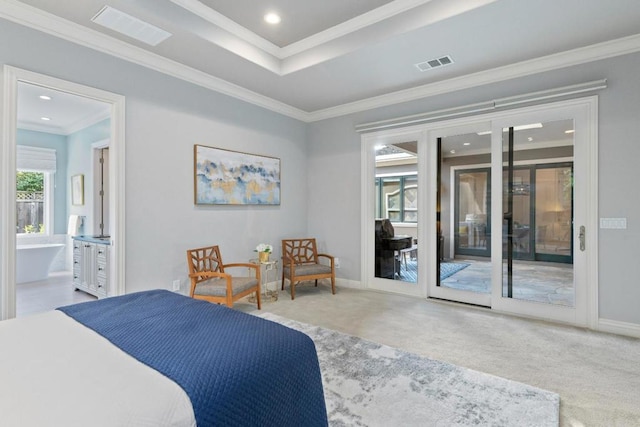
x: 130, y: 26
x: 434, y: 63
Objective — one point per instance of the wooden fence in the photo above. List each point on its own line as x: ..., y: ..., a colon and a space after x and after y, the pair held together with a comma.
x: 30, y: 211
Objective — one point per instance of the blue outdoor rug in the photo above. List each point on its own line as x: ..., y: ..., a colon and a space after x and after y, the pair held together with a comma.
x: 448, y: 269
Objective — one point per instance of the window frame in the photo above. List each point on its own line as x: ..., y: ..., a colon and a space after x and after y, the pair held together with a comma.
x: 381, y: 199
x: 48, y: 203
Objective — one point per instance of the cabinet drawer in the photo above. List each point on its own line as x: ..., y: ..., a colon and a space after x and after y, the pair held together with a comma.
x: 102, y: 286
x: 101, y: 253
x: 101, y: 269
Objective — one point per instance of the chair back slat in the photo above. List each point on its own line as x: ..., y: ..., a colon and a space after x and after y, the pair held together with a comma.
x: 204, y: 259
x: 301, y: 251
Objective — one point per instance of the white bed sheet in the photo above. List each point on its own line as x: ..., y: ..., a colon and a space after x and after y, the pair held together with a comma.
x: 56, y: 372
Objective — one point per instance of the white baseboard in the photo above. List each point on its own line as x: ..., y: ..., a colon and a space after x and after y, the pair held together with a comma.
x: 345, y: 283
x: 620, y: 328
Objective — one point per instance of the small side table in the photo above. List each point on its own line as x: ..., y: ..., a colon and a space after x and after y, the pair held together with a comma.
x: 267, y: 269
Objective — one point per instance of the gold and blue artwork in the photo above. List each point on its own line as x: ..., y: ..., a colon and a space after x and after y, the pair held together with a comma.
x: 225, y: 177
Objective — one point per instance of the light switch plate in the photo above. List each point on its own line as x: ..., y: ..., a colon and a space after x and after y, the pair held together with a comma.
x: 613, y: 223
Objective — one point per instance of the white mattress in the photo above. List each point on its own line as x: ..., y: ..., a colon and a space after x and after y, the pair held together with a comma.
x: 56, y: 372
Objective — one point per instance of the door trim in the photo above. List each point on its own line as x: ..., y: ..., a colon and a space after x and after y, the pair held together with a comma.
x: 11, y: 77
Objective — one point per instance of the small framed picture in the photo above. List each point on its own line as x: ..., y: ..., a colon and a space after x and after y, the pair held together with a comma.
x: 77, y: 190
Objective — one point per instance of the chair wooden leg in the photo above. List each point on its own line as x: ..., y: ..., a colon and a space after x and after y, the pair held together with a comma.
x: 258, y: 298
x: 316, y: 283
x: 333, y: 285
x: 282, y: 281
x: 292, y: 286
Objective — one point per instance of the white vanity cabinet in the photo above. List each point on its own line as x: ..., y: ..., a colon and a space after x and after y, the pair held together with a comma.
x: 91, y: 265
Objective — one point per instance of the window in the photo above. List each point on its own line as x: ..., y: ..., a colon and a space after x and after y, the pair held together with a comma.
x: 397, y: 198
x: 34, y: 190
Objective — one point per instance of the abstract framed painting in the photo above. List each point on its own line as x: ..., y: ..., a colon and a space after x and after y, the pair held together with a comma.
x: 225, y: 177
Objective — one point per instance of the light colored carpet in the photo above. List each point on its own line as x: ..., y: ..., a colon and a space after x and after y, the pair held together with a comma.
x: 369, y: 384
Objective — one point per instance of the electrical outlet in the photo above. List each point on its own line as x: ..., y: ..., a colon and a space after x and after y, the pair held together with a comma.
x: 336, y: 262
x: 176, y: 285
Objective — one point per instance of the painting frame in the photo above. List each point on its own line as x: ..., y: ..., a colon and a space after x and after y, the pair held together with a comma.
x: 77, y: 190
x: 228, y: 177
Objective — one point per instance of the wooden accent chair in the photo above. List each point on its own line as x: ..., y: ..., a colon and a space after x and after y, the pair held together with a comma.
x: 300, y: 261
x: 210, y: 281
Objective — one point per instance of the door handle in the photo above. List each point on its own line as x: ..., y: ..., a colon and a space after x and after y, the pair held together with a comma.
x: 581, y: 237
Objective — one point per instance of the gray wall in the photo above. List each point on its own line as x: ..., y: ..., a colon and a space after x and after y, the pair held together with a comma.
x: 80, y: 162
x: 165, y: 117
x: 335, y: 146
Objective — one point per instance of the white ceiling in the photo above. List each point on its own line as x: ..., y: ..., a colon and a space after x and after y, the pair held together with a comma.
x: 332, y: 57
x: 67, y: 113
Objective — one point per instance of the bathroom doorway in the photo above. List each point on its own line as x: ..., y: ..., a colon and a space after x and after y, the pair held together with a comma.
x: 61, y: 206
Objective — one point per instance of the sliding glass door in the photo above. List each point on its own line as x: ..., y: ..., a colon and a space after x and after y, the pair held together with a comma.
x: 392, y: 229
x: 461, y: 158
x: 510, y: 204
x: 494, y: 210
x: 538, y: 215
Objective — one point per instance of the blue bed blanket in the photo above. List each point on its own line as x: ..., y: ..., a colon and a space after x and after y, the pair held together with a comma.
x: 237, y: 369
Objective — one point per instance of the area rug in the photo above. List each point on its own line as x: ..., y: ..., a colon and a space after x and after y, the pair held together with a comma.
x: 448, y: 269
x: 369, y: 384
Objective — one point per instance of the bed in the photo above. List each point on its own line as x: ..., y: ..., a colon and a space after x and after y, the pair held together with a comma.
x: 156, y: 358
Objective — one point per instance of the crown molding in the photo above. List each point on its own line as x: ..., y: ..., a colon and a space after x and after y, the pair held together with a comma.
x: 352, y: 25
x: 618, y: 47
x: 66, y: 131
x: 214, y: 17
x: 40, y: 20
x: 88, y: 121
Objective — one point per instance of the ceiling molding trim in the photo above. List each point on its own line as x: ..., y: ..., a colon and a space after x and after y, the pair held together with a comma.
x: 40, y: 128
x: 340, y: 30
x: 622, y: 46
x: 218, y: 19
x: 359, y: 22
x: 88, y: 121
x: 495, y: 104
x: 20, y: 13
x: 40, y: 20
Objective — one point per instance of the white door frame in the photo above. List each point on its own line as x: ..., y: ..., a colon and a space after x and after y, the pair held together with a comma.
x: 585, y: 263
x: 585, y: 112
x: 11, y: 77
x: 367, y: 272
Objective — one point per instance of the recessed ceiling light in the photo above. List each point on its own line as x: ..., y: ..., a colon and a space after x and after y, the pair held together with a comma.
x: 272, y: 18
x: 467, y: 143
x: 569, y: 131
x: 529, y: 139
x: 46, y: 119
x: 453, y: 151
x: 45, y: 97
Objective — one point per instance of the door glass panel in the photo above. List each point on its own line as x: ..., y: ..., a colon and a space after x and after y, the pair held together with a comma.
x: 396, y: 224
x: 522, y: 236
x: 464, y: 211
x: 537, y: 225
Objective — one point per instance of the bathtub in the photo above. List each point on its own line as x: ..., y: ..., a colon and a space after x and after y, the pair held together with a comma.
x: 34, y: 261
